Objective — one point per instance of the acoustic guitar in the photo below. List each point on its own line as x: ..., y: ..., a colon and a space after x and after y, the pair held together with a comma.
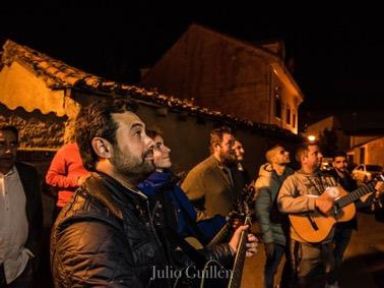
x: 314, y: 227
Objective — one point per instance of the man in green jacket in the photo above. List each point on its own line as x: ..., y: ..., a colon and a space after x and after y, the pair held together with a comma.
x: 271, y: 176
x: 210, y: 184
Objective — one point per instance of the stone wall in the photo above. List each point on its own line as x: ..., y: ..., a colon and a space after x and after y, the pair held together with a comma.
x: 36, y: 131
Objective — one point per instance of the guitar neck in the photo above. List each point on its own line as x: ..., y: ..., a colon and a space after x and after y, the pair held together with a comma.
x: 237, y: 271
x: 356, y: 194
x: 220, y: 236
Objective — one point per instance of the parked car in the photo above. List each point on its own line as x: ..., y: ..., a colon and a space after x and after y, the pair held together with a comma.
x: 326, y: 164
x: 366, y: 172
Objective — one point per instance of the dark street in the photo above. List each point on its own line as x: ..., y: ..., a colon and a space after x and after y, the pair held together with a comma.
x: 363, y: 266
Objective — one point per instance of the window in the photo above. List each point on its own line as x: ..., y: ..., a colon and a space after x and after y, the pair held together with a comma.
x: 288, y: 116
x: 277, y: 102
x: 293, y: 120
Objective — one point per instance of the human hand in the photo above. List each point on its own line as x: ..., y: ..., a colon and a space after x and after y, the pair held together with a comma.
x: 251, y: 241
x: 324, y: 203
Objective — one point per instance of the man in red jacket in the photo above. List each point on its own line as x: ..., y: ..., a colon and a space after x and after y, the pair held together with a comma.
x: 65, y: 174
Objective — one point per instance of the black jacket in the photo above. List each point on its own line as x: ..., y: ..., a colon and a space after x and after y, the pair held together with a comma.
x: 349, y: 185
x: 31, y: 185
x: 105, y: 237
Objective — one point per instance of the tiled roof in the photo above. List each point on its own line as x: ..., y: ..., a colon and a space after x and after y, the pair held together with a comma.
x: 59, y: 75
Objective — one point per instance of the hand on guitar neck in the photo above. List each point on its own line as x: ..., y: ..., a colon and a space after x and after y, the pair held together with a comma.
x: 251, y: 243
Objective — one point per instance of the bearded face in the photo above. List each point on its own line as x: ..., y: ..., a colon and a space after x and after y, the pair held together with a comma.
x: 226, y: 152
x: 133, y: 150
x: 130, y: 165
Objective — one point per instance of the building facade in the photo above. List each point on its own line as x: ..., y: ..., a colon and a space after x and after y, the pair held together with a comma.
x: 222, y: 73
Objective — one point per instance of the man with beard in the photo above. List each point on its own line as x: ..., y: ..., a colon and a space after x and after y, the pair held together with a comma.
x: 272, y: 224
x: 343, y: 231
x: 21, y: 218
x: 105, y: 235
x: 303, y: 192
x: 209, y: 185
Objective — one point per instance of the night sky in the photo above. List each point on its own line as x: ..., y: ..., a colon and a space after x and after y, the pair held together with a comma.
x: 338, y: 53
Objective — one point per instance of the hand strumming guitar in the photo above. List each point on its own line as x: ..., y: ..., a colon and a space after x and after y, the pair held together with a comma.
x: 251, y: 243
x: 324, y: 203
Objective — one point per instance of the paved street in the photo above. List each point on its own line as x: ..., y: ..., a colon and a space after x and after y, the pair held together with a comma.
x: 364, y: 261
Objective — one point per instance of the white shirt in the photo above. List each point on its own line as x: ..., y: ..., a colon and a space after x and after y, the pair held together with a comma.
x: 13, y: 225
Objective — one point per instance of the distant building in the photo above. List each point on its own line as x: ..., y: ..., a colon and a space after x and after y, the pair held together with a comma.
x: 367, y: 150
x: 329, y: 126
x: 361, y: 134
x: 220, y: 72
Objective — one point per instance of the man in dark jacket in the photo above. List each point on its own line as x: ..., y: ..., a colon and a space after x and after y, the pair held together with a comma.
x: 271, y: 177
x: 343, y: 231
x: 105, y: 235
x: 21, y: 214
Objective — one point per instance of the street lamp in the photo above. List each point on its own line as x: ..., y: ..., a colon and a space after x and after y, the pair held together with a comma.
x: 311, y: 138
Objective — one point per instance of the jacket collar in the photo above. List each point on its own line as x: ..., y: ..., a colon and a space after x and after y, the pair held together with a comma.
x: 160, y: 177
x: 110, y: 192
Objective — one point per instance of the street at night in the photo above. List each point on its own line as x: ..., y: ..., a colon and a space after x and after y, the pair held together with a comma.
x: 363, y: 265
x: 127, y: 127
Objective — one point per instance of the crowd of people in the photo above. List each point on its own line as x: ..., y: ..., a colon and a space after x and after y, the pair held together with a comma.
x: 123, y: 216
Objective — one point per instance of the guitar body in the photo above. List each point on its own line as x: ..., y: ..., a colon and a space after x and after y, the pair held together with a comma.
x: 306, y: 230
x: 346, y: 213
x: 314, y: 227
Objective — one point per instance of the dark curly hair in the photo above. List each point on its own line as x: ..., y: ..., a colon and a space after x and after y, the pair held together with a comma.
x: 95, y: 120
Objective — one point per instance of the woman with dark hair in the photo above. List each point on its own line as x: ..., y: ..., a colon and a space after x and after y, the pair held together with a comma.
x: 163, y: 183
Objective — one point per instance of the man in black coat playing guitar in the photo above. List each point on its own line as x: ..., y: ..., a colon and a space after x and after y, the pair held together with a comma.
x: 343, y: 231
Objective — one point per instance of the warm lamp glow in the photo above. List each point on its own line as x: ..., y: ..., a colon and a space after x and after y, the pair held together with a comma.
x: 311, y: 138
